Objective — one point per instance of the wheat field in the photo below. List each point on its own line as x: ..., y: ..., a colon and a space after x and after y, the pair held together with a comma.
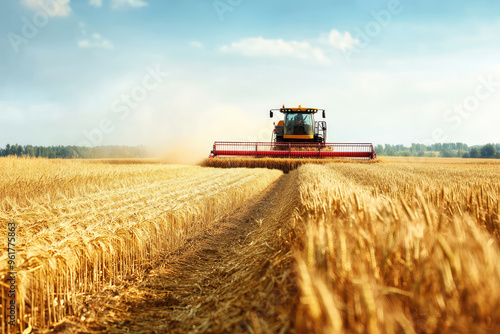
x: 404, y: 247
x: 82, y: 225
x: 399, y: 246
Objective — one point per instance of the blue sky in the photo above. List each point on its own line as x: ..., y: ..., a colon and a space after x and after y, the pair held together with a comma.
x: 386, y: 71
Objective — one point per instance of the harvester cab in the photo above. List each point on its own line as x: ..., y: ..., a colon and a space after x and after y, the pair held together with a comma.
x: 298, y: 135
x: 299, y: 126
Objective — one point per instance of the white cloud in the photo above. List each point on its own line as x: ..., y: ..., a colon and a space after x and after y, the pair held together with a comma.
x: 51, y: 7
x: 312, y: 50
x: 343, y: 41
x: 196, y: 44
x: 121, y: 4
x: 97, y: 41
x: 96, y: 3
x: 259, y: 46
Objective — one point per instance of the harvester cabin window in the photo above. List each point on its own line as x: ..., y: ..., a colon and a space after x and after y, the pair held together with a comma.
x: 298, y: 124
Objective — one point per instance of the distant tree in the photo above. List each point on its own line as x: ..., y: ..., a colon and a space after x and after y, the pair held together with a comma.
x: 474, y: 153
x: 488, y: 151
x: 68, y: 152
x: 14, y: 150
x: 437, y: 147
x: 414, y: 149
x: 30, y: 151
x: 466, y: 155
x: 380, y: 150
x: 446, y: 154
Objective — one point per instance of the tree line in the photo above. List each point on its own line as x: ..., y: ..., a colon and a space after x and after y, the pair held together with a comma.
x: 75, y: 152
x: 446, y: 150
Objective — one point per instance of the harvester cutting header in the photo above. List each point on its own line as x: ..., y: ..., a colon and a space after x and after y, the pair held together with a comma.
x: 298, y: 135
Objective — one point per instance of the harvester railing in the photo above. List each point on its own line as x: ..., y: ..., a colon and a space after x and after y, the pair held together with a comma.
x: 295, y: 150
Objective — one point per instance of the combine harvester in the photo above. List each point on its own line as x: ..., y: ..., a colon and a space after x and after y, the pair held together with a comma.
x: 297, y: 136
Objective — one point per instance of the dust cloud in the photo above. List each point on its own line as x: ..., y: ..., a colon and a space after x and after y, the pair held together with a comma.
x: 194, y: 140
x: 184, y: 151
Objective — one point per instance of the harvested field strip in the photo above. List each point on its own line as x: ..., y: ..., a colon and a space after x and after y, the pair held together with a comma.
x: 123, y: 199
x: 142, y: 161
x: 121, y: 195
x: 237, y: 278
x: 43, y: 180
x: 65, y: 251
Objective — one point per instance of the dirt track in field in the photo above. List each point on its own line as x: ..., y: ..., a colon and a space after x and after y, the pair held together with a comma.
x: 232, y: 279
